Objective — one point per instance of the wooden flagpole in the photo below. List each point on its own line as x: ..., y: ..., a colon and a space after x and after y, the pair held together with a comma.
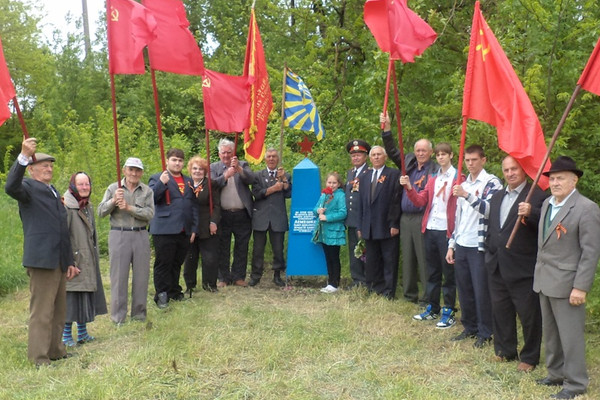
x: 210, y: 193
x: 235, y: 144
x: 387, y: 89
x: 115, y: 127
x: 159, y: 126
x: 461, y: 150
x: 22, y: 121
x: 559, y: 127
x: 397, y: 107
x: 285, y: 69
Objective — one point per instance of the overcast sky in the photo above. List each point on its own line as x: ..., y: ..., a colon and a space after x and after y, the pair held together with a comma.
x: 57, y: 10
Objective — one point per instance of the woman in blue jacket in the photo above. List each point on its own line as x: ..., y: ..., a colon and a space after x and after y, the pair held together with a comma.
x: 330, y: 230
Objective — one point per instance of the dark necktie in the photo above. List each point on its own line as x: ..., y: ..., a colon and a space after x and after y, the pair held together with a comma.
x: 53, y: 190
x: 547, y: 219
x: 373, y: 184
x: 272, y: 174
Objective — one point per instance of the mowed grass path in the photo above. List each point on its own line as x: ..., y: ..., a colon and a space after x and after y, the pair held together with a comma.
x: 268, y: 343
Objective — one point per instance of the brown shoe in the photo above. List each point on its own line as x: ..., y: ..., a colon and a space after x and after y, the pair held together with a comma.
x: 524, y: 367
x: 241, y: 282
x: 221, y: 284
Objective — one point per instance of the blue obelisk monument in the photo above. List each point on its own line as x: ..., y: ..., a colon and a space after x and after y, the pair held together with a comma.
x: 303, y: 256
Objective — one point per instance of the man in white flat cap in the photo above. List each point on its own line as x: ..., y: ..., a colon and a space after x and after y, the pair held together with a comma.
x: 131, y: 207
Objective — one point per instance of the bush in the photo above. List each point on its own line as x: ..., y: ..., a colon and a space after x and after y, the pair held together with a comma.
x: 12, y: 273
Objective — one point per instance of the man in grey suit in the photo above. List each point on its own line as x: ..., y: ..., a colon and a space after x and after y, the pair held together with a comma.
x: 47, y: 251
x: 568, y: 253
x: 270, y: 189
x: 233, y: 177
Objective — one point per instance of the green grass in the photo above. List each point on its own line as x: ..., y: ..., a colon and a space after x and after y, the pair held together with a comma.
x: 261, y: 343
x: 267, y: 343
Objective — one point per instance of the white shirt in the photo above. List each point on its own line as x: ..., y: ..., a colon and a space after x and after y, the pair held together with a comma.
x: 438, y: 219
x: 556, y: 207
x: 358, y: 170
x: 508, y: 200
x: 376, y: 173
x: 466, y: 234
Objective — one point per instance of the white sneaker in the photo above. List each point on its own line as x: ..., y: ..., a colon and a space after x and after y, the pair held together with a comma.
x: 329, y: 289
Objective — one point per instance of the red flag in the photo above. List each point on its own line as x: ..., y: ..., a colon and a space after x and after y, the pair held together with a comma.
x: 590, y: 78
x: 175, y: 48
x: 255, y: 68
x: 493, y: 93
x: 130, y: 28
x: 397, y: 29
x: 7, y: 90
x: 226, y: 101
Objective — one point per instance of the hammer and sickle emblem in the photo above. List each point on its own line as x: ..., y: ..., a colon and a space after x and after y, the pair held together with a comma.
x: 480, y: 47
x: 114, y: 14
x: 206, y: 82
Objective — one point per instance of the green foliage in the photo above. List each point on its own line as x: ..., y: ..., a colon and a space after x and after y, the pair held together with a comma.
x: 12, y: 273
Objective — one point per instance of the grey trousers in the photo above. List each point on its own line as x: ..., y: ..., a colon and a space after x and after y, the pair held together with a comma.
x: 127, y: 249
x: 413, y: 257
x: 563, y: 331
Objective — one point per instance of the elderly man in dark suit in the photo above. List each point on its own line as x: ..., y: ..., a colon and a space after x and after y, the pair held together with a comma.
x: 233, y: 177
x: 174, y: 221
x: 270, y: 189
x: 568, y: 253
x: 379, y: 223
x: 358, y: 150
x: 46, y: 251
x: 510, y: 271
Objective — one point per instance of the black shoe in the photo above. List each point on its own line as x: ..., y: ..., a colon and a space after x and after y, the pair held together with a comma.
x: 278, y: 281
x: 482, y: 342
x: 162, y: 300
x: 464, y: 335
x: 210, y: 288
x: 547, y: 381
x: 179, y: 297
x: 567, y: 394
x: 189, y: 292
x: 253, y: 282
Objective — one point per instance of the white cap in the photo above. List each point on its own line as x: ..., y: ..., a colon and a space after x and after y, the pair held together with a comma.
x: 134, y: 162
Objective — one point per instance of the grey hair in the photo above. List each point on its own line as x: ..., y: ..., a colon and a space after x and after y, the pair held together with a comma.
x: 429, y: 144
x: 378, y: 147
x: 225, y: 143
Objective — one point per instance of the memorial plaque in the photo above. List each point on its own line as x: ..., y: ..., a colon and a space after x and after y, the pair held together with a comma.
x: 303, y: 256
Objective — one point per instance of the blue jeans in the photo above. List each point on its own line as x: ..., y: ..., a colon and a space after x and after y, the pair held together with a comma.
x: 473, y: 292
